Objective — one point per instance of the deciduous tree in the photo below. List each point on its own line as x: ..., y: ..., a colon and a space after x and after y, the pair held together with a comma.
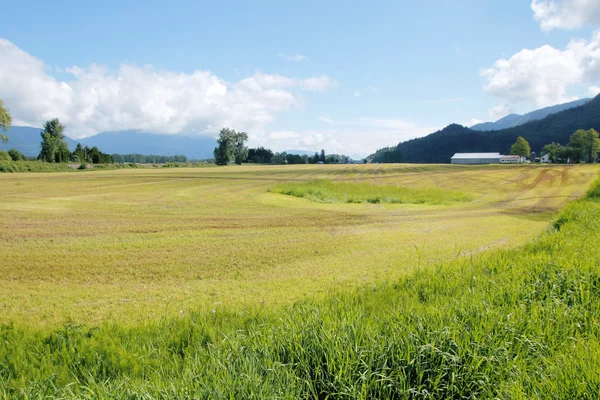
x: 554, y: 150
x: 231, y: 146
x: 5, y: 121
x: 54, y: 148
x: 520, y: 148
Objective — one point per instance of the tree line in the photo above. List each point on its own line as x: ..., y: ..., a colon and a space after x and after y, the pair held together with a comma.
x: 55, y: 149
x: 583, y: 147
x: 231, y: 148
x: 147, y: 159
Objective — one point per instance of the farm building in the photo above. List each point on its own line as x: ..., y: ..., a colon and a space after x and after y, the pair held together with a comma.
x: 476, y: 158
x: 512, y: 159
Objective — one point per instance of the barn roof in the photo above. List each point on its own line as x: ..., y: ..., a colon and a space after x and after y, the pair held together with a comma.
x: 475, y: 155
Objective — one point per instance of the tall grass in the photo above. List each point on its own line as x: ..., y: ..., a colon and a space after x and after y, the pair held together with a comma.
x: 508, y: 324
x: 326, y: 191
x: 33, y: 166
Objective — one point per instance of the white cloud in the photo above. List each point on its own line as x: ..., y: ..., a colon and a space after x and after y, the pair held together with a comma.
x: 357, y: 94
x: 145, y: 98
x: 542, y: 76
x: 566, y: 14
x: 472, y: 122
x: 373, y: 89
x: 292, y: 57
x: 318, y: 83
x: 500, y: 111
x: 594, y: 91
x: 358, y: 137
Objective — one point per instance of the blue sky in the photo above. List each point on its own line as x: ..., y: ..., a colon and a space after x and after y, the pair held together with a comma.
x: 347, y: 76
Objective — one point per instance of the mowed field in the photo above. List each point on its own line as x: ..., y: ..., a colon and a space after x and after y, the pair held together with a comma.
x: 130, y: 246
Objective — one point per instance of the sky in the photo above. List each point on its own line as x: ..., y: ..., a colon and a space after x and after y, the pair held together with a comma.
x: 346, y: 76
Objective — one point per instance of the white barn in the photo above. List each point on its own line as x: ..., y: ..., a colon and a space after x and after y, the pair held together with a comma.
x: 476, y: 158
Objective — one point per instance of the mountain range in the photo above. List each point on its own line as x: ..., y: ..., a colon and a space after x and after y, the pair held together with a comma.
x: 513, y: 120
x: 27, y: 140
x: 439, y: 147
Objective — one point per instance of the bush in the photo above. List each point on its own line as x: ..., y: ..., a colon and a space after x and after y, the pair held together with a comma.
x: 4, y: 156
x: 16, y: 155
x: 82, y: 166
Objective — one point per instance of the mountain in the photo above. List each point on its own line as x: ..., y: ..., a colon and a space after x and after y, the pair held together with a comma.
x: 129, y: 142
x: 27, y: 140
x: 440, y: 146
x: 513, y: 120
x: 502, y: 123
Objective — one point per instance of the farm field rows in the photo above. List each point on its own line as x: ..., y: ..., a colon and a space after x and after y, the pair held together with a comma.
x: 132, y: 246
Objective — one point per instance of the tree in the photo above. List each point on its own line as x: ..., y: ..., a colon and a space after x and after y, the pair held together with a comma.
x: 231, y: 146
x: 322, y: 157
x: 54, y: 148
x: 241, y: 151
x: 16, y: 155
x: 5, y: 122
x: 554, y: 150
x: 592, y: 145
x: 520, y: 148
x: 584, y: 145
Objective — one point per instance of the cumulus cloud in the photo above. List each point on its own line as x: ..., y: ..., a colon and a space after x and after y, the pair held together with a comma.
x: 594, y: 91
x: 357, y: 94
x: 542, y: 76
x: 94, y: 99
x: 566, y: 14
x: 357, y: 137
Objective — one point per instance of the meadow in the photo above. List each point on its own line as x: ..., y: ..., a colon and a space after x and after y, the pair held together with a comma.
x: 512, y: 315
x: 133, y: 246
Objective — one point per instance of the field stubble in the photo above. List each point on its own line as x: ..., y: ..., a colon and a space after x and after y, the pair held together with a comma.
x: 137, y: 245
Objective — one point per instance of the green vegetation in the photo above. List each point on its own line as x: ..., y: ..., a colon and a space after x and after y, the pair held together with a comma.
x: 16, y: 155
x: 91, y: 155
x: 5, y: 157
x: 520, y: 148
x: 231, y: 147
x: 5, y: 122
x: 326, y: 191
x: 516, y: 323
x: 151, y: 159
x: 32, y: 166
x: 54, y: 148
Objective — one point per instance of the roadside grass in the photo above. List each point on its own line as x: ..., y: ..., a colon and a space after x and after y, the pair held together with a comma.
x: 326, y: 191
x: 519, y: 324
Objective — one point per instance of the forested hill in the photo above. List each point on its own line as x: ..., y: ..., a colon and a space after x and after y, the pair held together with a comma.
x: 440, y: 146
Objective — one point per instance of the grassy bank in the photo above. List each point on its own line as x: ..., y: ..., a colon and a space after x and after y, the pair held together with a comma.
x: 326, y: 191
x: 505, y: 324
x: 33, y: 166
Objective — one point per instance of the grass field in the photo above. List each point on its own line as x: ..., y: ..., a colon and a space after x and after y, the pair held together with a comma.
x: 506, y: 323
x: 134, y: 246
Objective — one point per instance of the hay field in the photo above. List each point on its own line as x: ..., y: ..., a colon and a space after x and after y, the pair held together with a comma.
x: 131, y: 246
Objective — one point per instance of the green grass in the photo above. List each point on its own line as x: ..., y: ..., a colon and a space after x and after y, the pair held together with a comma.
x: 32, y: 166
x: 326, y: 191
x: 512, y: 324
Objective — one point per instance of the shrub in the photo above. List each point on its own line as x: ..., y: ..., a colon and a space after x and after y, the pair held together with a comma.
x: 4, y: 156
x: 16, y: 155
